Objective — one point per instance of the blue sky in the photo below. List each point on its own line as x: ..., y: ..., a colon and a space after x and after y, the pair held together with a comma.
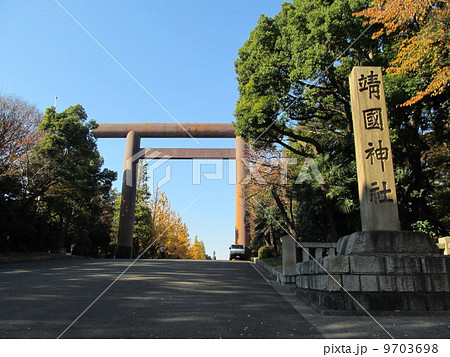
x: 182, y: 52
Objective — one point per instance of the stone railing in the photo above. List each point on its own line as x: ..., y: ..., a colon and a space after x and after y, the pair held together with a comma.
x: 316, y: 250
x: 296, y: 253
x: 444, y: 243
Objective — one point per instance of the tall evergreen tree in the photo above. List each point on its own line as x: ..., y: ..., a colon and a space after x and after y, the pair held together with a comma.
x: 74, y: 185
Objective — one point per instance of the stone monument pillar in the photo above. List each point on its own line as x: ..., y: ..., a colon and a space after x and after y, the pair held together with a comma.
x: 380, y: 223
x: 376, y: 183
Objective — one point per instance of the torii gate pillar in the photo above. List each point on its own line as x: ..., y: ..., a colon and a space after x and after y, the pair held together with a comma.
x: 241, y: 232
x: 128, y: 199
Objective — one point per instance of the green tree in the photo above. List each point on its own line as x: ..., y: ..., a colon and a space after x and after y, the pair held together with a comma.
x: 75, y: 189
x: 294, y: 95
x: 293, y: 81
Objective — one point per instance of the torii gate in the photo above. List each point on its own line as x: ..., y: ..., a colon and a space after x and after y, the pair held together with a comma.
x: 133, y: 152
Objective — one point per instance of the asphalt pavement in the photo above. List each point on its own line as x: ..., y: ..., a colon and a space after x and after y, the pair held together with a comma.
x: 87, y: 298
x: 153, y: 299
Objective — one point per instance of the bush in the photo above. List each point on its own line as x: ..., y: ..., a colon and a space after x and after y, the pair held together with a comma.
x: 427, y: 228
x: 266, y: 252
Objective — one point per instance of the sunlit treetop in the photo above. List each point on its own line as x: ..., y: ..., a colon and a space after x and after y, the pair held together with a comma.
x: 422, y: 29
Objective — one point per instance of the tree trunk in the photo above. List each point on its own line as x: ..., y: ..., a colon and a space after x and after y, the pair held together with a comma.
x: 284, y: 216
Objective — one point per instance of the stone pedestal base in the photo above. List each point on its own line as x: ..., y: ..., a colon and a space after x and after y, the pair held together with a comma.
x: 124, y: 252
x: 380, y: 281
x: 340, y: 303
x: 386, y: 242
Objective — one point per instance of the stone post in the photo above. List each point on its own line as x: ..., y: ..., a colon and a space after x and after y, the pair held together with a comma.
x: 128, y: 201
x: 377, y: 193
x: 241, y: 236
x: 289, y: 255
x: 305, y: 254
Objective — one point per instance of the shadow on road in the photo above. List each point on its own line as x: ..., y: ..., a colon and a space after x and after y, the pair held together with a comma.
x: 154, y: 299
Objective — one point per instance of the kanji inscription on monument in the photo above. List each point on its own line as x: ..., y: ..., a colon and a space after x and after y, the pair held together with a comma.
x: 376, y: 181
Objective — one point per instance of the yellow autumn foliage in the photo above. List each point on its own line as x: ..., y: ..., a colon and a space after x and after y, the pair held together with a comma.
x: 168, y: 228
x: 422, y: 28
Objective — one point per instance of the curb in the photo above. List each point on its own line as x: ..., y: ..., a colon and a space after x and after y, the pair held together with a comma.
x: 274, y: 274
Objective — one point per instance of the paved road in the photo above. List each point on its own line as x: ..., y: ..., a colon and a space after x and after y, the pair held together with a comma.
x: 153, y: 299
